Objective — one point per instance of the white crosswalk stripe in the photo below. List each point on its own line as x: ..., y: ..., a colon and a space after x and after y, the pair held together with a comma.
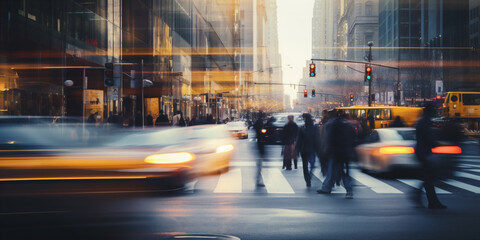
x: 417, y: 184
x: 375, y: 184
x: 240, y: 180
x: 469, y: 166
x: 230, y: 182
x: 275, y: 182
x: 462, y: 185
x: 467, y: 175
x: 338, y: 189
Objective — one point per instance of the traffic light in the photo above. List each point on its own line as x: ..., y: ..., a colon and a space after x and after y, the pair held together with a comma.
x: 108, y: 80
x: 312, y: 70
x: 305, y: 93
x: 352, y: 97
x: 368, y: 73
x: 313, y: 92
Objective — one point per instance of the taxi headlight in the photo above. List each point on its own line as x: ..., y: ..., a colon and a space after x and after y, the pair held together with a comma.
x: 224, y: 149
x: 170, y: 158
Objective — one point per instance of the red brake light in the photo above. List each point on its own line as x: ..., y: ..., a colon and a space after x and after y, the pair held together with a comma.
x: 447, y: 150
x: 396, y: 150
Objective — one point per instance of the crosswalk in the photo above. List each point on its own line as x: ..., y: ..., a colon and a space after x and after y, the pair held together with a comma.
x: 240, y: 180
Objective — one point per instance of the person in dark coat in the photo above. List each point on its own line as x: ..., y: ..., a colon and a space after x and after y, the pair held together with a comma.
x: 138, y: 119
x: 397, y: 123
x: 290, y: 131
x: 149, y: 120
x: 307, y: 142
x: 261, y: 140
x: 162, y: 119
x: 340, y: 137
x: 423, y: 150
x: 371, y: 121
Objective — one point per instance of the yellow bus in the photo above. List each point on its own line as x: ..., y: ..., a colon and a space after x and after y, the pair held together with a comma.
x: 465, y: 107
x: 462, y: 105
x: 384, y: 115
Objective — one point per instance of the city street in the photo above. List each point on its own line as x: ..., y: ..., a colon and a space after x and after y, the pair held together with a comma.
x: 164, y: 119
x: 230, y: 204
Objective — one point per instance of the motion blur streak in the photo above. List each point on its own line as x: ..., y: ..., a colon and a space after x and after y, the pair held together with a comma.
x: 70, y: 178
x: 224, y: 148
x: 396, y: 150
x: 170, y: 158
x: 447, y: 150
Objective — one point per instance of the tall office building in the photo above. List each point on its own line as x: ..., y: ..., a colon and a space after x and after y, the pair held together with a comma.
x: 274, y: 57
x: 357, y: 25
x: 439, y: 28
x: 187, y: 47
x: 326, y: 14
x: 474, y: 24
x: 259, y: 55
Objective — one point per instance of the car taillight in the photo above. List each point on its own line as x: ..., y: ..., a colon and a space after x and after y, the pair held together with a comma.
x: 396, y: 150
x: 447, y: 150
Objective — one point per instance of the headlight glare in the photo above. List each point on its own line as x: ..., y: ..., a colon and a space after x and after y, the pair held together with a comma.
x: 224, y: 149
x: 170, y: 158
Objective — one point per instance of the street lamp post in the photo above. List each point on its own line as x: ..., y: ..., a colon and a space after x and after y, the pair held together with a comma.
x: 370, y: 45
x: 143, y: 101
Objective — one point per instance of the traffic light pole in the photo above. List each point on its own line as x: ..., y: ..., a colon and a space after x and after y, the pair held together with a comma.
x: 370, y: 44
x: 143, y: 101
x: 371, y: 64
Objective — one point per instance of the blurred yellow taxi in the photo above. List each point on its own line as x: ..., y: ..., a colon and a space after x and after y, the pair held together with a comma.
x: 175, y: 155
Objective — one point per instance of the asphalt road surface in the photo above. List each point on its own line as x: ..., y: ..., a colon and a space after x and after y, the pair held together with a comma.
x: 230, y: 204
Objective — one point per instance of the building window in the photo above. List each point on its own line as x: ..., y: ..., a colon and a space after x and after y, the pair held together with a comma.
x: 369, y: 9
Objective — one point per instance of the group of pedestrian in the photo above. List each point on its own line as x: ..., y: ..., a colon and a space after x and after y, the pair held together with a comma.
x: 334, y: 144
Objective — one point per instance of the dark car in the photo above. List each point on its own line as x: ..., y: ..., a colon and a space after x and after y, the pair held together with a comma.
x: 273, y: 128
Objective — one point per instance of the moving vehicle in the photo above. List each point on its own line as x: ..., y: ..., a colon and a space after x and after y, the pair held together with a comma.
x: 388, y: 150
x: 238, y: 129
x: 171, y: 157
x: 384, y: 115
x: 465, y: 108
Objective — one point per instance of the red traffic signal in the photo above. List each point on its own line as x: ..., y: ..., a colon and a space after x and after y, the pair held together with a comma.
x: 352, y: 97
x: 312, y: 70
x: 305, y: 93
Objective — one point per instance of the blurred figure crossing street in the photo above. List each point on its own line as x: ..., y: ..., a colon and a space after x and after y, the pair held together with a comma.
x: 290, y: 131
x: 340, y: 146
x: 307, y: 145
x: 423, y: 150
x: 261, y: 140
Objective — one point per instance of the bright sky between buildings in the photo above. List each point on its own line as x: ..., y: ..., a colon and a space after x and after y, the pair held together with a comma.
x: 295, y: 39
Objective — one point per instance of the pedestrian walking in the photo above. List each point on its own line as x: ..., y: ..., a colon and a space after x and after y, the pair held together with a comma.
x: 371, y: 121
x: 261, y: 140
x: 290, y: 132
x: 340, y: 147
x: 138, y: 119
x: 162, y: 119
x: 397, y: 123
x: 423, y: 150
x: 307, y: 142
x: 149, y: 120
x: 176, y: 119
x: 323, y: 153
